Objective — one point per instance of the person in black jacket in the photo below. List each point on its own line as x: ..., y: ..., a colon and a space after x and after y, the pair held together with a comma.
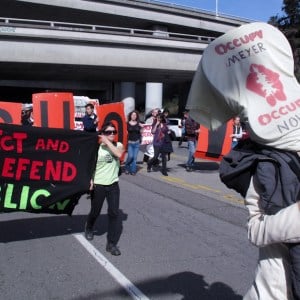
x: 161, y: 142
x: 26, y: 115
x: 277, y: 174
x: 191, y: 132
x: 90, y: 120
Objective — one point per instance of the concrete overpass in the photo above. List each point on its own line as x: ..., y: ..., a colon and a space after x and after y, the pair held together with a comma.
x: 92, y: 47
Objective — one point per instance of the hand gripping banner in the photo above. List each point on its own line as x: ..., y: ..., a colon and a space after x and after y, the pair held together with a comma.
x: 44, y: 170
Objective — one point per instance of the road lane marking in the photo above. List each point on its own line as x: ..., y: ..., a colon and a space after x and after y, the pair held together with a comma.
x: 190, y: 185
x: 131, y: 289
x: 233, y: 199
x: 181, y: 182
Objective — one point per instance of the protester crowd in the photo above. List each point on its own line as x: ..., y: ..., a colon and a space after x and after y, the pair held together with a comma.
x: 263, y: 164
x: 153, y: 137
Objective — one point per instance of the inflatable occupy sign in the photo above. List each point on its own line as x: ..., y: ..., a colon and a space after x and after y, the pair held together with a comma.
x: 249, y: 71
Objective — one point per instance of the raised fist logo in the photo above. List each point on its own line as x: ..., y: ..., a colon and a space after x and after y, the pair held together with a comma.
x: 265, y: 83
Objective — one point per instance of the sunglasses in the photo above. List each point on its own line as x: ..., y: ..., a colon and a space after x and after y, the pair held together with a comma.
x: 109, y: 132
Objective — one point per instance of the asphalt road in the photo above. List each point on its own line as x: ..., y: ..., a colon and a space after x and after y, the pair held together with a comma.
x: 183, y: 237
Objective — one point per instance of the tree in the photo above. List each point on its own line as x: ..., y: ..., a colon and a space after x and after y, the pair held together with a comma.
x: 289, y: 24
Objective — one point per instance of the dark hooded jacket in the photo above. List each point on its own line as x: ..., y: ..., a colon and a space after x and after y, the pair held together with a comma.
x: 276, y: 172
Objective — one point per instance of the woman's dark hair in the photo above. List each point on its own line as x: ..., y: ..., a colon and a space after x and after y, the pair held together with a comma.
x: 162, y: 118
x: 137, y: 115
x: 166, y: 111
x: 105, y: 126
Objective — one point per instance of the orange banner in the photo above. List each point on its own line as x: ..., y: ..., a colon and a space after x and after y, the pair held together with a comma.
x: 55, y: 110
x: 213, y: 145
x: 114, y: 112
x: 10, y: 113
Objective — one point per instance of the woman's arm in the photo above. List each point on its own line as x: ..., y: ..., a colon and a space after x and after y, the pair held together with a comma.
x: 117, y: 151
x: 154, y: 127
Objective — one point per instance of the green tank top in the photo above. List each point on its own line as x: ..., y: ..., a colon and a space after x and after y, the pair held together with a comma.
x: 107, y: 166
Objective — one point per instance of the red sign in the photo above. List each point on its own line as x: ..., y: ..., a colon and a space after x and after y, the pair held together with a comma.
x: 55, y: 110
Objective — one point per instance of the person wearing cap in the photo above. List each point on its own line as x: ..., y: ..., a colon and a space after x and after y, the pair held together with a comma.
x: 192, y: 129
x: 26, y: 115
x: 249, y: 71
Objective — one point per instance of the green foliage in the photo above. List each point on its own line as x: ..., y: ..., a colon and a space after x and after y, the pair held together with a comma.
x: 289, y: 24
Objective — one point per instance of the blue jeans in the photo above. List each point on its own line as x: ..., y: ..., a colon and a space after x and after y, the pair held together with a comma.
x: 132, y: 153
x: 233, y: 144
x: 192, y: 149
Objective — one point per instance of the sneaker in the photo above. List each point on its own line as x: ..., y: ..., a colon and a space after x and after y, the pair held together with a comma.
x: 89, y: 234
x: 164, y: 173
x: 126, y: 172
x: 113, y: 249
x: 189, y: 169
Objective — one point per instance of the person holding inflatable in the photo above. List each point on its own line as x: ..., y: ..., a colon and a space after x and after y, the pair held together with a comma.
x: 249, y: 71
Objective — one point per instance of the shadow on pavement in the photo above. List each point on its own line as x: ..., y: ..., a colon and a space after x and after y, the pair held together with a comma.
x: 41, y: 227
x: 189, y: 285
x: 203, y: 166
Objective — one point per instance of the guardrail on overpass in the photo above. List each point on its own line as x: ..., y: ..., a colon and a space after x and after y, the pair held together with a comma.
x: 6, y: 23
x: 81, y: 50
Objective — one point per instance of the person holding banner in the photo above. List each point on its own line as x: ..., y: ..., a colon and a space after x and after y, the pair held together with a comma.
x: 161, y: 142
x: 134, y: 127
x: 151, y: 120
x: 104, y: 185
x: 26, y: 115
x: 90, y: 120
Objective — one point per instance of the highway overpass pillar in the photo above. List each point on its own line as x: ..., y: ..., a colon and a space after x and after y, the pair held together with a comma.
x: 128, y: 96
x: 154, y: 93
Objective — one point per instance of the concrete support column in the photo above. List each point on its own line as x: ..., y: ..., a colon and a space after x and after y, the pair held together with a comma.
x: 154, y: 93
x: 128, y: 96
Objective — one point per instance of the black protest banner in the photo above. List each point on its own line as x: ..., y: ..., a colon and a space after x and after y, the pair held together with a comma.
x: 44, y: 170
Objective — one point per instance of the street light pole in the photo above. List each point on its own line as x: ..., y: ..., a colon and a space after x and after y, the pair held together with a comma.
x: 217, y: 8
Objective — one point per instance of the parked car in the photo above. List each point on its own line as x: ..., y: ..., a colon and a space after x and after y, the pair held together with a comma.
x: 175, y: 127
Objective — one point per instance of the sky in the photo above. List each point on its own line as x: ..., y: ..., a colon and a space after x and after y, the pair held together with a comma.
x: 256, y: 10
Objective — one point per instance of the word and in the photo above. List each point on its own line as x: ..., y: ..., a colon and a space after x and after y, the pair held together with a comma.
x: 15, y: 142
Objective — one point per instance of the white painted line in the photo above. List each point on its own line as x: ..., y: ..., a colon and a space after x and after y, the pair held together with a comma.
x: 131, y: 289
